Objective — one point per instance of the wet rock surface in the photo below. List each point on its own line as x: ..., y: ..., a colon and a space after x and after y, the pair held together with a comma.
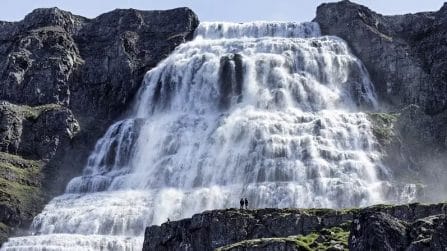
x: 380, y: 227
x: 65, y: 79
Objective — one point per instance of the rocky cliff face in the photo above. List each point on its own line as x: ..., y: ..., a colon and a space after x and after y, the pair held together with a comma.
x: 414, y: 226
x: 406, y: 58
x: 65, y: 79
x: 404, y: 54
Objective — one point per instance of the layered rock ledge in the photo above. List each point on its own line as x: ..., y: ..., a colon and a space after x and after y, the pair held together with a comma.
x: 380, y: 227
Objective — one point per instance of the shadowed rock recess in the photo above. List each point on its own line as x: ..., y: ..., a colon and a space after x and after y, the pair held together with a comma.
x: 381, y: 227
x: 64, y: 79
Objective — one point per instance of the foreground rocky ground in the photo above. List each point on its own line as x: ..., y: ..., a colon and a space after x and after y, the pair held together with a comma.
x: 380, y: 227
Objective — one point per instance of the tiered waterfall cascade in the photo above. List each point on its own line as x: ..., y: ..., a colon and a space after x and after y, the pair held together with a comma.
x: 272, y: 112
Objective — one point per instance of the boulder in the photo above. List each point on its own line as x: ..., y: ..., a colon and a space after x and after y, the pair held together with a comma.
x: 377, y: 231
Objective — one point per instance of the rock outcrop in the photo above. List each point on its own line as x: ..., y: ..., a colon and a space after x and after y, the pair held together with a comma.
x: 372, y: 230
x: 406, y: 58
x: 65, y: 79
x: 218, y: 228
x: 381, y: 227
x: 35, y: 132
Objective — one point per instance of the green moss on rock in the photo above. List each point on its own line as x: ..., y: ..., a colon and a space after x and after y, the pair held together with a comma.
x: 318, y: 211
x: 289, y: 243
x: 383, y: 126
x: 34, y: 112
x: 21, y: 196
x: 382, y: 206
x: 335, y: 238
x: 306, y: 240
x: 348, y: 210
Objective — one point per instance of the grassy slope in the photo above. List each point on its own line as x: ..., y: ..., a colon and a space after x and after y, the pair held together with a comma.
x: 20, y: 191
x: 322, y: 240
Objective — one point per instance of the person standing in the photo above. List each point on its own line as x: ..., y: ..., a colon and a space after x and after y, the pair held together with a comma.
x: 242, y: 203
x: 246, y: 203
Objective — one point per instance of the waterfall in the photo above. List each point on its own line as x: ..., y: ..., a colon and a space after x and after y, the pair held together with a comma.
x: 267, y: 111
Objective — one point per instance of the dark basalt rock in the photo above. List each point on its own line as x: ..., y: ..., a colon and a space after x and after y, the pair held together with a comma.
x: 230, y: 79
x: 273, y: 244
x: 66, y: 78
x: 213, y: 229
x: 380, y: 227
x: 404, y: 54
x: 35, y: 132
x: 380, y: 231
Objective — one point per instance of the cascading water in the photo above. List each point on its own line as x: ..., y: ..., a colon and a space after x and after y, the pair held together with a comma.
x: 267, y: 111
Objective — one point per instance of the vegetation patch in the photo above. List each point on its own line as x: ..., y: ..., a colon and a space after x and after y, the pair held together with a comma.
x: 383, y: 126
x: 335, y: 238
x: 20, y: 192
x: 351, y: 211
x: 285, y: 242
x: 381, y: 206
x: 33, y: 113
x: 318, y: 211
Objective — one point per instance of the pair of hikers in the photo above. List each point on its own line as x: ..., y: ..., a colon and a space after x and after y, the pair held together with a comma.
x: 244, y: 202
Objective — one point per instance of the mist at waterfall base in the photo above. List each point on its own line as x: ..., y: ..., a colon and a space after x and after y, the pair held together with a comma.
x: 267, y: 111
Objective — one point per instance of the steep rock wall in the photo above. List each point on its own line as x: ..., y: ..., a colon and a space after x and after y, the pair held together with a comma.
x: 405, y: 54
x: 65, y: 79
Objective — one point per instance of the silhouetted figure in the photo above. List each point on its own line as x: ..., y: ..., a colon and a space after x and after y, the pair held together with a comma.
x: 242, y: 203
x: 246, y: 203
x: 169, y: 220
